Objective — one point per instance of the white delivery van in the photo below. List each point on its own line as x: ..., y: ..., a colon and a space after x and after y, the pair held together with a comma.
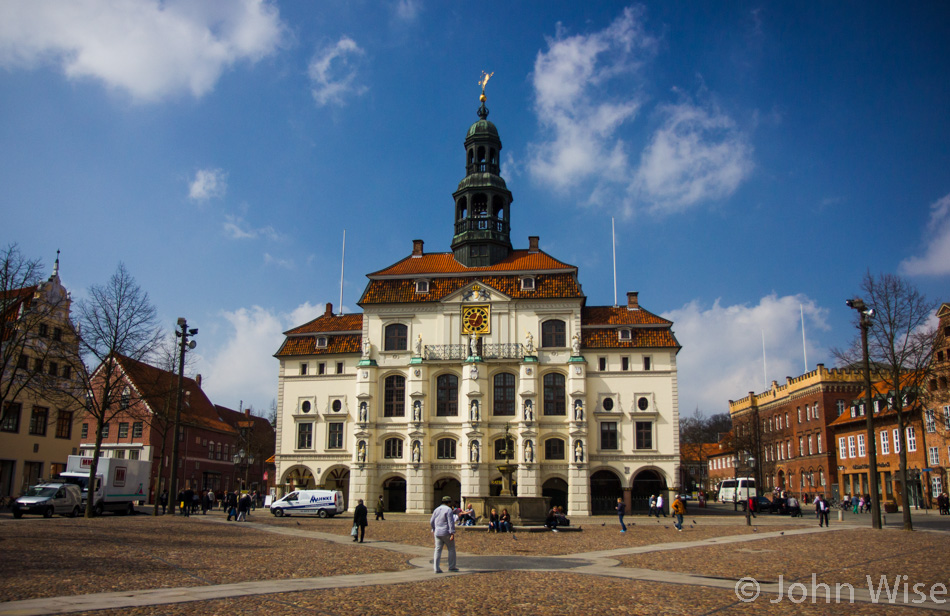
x: 324, y: 503
x: 737, y: 490
x: 120, y: 483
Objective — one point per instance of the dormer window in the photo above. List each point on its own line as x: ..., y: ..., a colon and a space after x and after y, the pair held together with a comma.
x: 321, y: 342
x: 422, y: 286
x: 527, y: 283
x: 625, y: 334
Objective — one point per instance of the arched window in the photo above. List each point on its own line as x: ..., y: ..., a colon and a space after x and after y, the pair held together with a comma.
x: 554, y: 394
x: 445, y: 449
x: 481, y: 154
x: 126, y: 397
x: 553, y: 334
x: 462, y: 209
x: 396, y: 338
x: 447, y: 396
x: 393, y: 448
x: 554, y: 449
x: 504, y: 394
x: 394, y: 396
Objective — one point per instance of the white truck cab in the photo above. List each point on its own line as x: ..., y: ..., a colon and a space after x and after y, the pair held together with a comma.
x: 324, y: 503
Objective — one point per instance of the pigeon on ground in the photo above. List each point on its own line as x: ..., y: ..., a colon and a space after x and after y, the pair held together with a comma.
x: 513, y: 537
x: 298, y: 523
x: 666, y: 527
x: 604, y: 524
x: 695, y: 522
x: 657, y: 521
x: 754, y: 529
x: 782, y: 533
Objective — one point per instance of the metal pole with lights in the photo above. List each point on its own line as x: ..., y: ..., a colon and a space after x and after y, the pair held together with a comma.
x: 184, y: 345
x: 245, y: 461
x: 865, y: 324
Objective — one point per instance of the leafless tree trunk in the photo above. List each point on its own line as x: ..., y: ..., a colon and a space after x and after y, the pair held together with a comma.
x: 117, y: 319
x: 900, y: 346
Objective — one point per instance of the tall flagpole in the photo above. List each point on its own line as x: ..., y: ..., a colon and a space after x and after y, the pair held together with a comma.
x: 613, y: 239
x: 765, y: 369
x: 804, y: 348
x: 342, y: 265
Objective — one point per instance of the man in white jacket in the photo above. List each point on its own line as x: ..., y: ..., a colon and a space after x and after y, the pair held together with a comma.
x: 659, y: 506
x: 442, y: 523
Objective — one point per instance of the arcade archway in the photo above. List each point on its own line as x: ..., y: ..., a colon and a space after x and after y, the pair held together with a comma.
x: 605, y: 489
x: 556, y: 489
x: 646, y: 483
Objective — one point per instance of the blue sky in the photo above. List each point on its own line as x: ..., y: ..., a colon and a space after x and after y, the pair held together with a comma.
x: 758, y: 158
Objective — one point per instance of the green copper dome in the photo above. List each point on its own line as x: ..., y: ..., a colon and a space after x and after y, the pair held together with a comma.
x: 482, y: 127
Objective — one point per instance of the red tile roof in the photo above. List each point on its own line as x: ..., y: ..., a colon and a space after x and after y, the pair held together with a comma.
x: 307, y: 345
x: 639, y: 339
x: 396, y: 291
x: 330, y: 323
x: 619, y: 315
x: 445, y: 263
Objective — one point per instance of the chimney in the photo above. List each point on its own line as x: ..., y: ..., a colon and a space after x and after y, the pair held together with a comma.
x: 198, y: 380
x: 632, y: 302
x: 247, y: 412
x: 417, y: 248
x: 329, y: 312
x: 533, y: 243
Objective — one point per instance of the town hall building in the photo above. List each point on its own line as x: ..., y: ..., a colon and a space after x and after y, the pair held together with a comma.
x: 462, y: 359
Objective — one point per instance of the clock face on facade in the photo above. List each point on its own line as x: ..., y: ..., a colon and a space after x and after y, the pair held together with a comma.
x: 476, y: 320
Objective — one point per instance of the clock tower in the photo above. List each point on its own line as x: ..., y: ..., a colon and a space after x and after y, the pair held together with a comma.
x: 482, y: 201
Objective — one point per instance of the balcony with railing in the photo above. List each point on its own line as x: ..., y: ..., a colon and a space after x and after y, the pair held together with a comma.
x: 461, y: 352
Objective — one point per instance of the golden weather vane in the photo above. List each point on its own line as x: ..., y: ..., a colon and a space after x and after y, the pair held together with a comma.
x: 484, y: 82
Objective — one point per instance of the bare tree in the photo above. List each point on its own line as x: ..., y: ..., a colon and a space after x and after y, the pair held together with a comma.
x: 900, y: 346
x: 37, y: 340
x: 117, y: 318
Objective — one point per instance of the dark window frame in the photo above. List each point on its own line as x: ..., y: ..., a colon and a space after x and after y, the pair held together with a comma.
x: 335, y: 435
x: 394, y: 396
x: 504, y: 395
x: 64, y: 424
x: 446, y: 448
x: 305, y: 435
x: 39, y: 421
x: 554, y: 448
x: 555, y: 394
x: 447, y: 395
x: 643, y: 431
x: 10, y: 421
x: 392, y: 448
x: 396, y: 337
x: 554, y: 334
x: 609, y: 437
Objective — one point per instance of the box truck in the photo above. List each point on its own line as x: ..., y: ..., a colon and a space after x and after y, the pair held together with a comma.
x: 120, y: 483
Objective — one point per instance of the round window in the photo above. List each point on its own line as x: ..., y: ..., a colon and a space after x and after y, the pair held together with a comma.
x: 643, y: 404
x: 337, y: 405
x: 608, y: 404
x: 305, y: 407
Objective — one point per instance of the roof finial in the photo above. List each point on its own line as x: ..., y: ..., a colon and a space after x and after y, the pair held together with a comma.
x: 56, y: 265
x: 483, y: 110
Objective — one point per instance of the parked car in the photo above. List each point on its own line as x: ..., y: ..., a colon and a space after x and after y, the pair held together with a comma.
x: 47, y: 499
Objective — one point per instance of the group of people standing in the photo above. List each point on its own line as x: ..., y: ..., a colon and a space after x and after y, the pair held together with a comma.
x: 656, y: 507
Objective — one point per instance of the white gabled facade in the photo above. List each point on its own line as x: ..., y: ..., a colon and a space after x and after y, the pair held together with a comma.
x: 411, y: 399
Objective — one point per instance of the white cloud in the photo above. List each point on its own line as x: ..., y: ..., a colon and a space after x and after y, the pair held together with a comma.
x: 408, y: 10
x: 333, y: 72
x: 721, y: 358
x: 244, y: 366
x: 237, y: 228
x: 269, y: 259
x: 936, y: 258
x: 696, y: 155
x: 571, y: 104
x: 150, y: 49
x: 208, y: 183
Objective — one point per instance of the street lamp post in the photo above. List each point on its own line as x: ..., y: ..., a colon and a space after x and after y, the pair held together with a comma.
x: 184, y: 345
x: 865, y: 324
x: 245, y: 461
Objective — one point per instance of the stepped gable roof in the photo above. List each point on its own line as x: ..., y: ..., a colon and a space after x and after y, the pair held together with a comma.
x: 619, y: 315
x: 444, y: 264
x: 159, y: 387
x: 546, y: 286
x: 639, y: 339
x: 329, y: 323
x: 307, y: 345
x: 10, y: 303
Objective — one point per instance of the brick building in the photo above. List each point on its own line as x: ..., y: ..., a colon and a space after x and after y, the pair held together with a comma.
x: 209, y: 435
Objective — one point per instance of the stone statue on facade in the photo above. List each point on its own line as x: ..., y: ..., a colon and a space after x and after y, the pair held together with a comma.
x: 473, y: 452
x: 367, y: 347
x: 361, y: 453
x: 528, y: 451
x: 473, y: 345
x: 578, y: 451
x: 474, y: 372
x: 364, y: 412
x: 473, y: 411
x: 576, y: 346
x: 416, y: 452
x: 528, y: 410
x: 578, y: 410
x: 419, y: 345
x: 417, y: 410
x: 529, y: 344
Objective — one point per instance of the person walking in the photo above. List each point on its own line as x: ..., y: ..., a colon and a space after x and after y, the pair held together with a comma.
x: 163, y: 500
x: 652, y: 505
x: 659, y: 506
x: 380, y: 509
x: 231, y: 505
x: 244, y: 505
x: 823, y: 511
x: 442, y: 524
x: 679, y: 510
x: 621, y: 510
x: 359, y: 520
